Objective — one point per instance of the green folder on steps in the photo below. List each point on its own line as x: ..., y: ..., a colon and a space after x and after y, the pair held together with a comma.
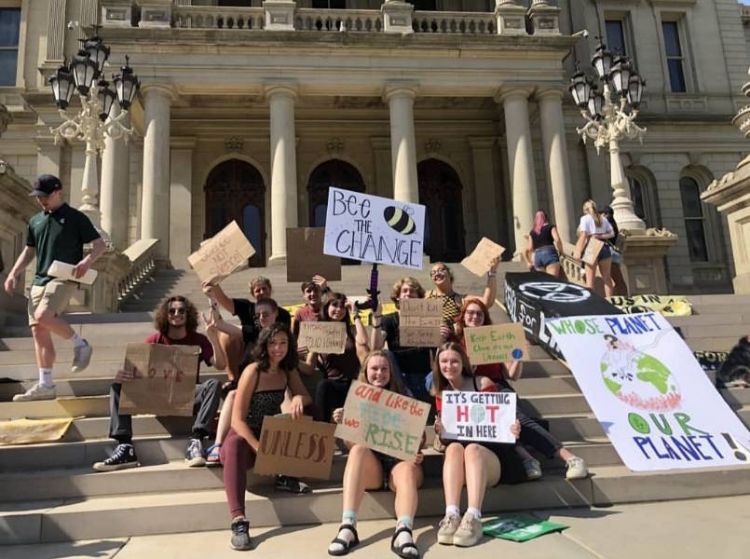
x: 520, y: 527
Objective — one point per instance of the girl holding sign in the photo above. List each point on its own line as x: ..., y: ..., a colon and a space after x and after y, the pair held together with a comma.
x: 260, y: 392
x: 367, y: 469
x: 593, y: 225
x: 474, y: 464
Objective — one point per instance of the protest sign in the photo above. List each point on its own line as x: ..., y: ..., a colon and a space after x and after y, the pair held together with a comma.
x: 383, y: 421
x: 478, y: 262
x: 64, y: 271
x: 222, y: 254
x: 305, y: 258
x: 592, y: 250
x: 649, y: 393
x: 519, y: 527
x: 322, y: 337
x: 419, y: 322
x: 496, y: 343
x: 667, y: 305
x: 295, y: 448
x: 374, y: 229
x: 478, y: 416
x: 163, y: 379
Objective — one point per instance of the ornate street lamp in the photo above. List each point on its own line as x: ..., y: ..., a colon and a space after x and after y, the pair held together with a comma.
x: 92, y: 124
x: 610, y: 118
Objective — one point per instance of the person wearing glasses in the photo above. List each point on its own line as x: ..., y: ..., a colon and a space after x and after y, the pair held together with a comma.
x: 442, y: 279
x: 176, y: 323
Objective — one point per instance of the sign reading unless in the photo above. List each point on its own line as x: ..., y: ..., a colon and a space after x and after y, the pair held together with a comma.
x: 374, y: 229
x: 419, y: 322
x: 478, y: 416
x: 222, y: 254
x: 383, y: 421
x: 163, y: 379
x: 295, y: 448
x: 322, y: 337
x: 496, y: 343
x: 305, y: 258
x: 478, y: 262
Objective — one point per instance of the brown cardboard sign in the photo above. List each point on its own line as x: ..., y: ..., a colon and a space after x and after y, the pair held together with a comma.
x: 305, y: 258
x: 164, y: 379
x: 419, y: 322
x: 496, y: 343
x: 322, y: 337
x: 383, y: 421
x: 478, y: 262
x: 295, y: 448
x: 591, y: 253
x: 222, y: 254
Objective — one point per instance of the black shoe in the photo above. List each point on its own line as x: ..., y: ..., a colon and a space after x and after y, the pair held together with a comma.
x: 291, y: 485
x: 122, y: 457
x: 241, y: 535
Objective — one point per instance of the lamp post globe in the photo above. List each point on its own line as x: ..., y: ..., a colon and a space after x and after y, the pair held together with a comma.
x: 62, y: 87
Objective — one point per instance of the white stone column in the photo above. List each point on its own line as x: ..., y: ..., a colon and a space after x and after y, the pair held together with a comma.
x: 155, y: 204
x: 482, y: 202
x: 283, y: 167
x: 114, y: 199
x: 520, y: 162
x: 181, y: 201
x: 556, y: 162
x: 400, y: 99
x: 381, y: 152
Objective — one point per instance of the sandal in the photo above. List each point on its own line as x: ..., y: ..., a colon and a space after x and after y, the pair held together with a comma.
x: 400, y: 550
x: 346, y: 546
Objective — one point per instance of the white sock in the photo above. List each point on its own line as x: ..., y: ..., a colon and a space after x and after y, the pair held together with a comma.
x: 476, y: 512
x: 77, y: 340
x: 45, y: 378
x: 452, y: 510
x: 349, y: 517
x: 404, y: 537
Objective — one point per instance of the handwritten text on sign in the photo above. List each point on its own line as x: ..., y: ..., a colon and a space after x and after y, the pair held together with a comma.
x: 322, y: 337
x: 222, y: 254
x: 496, y: 343
x: 383, y: 420
x: 478, y: 416
x: 419, y: 322
x: 374, y: 229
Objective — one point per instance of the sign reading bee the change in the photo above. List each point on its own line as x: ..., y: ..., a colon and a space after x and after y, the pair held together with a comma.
x: 374, y: 229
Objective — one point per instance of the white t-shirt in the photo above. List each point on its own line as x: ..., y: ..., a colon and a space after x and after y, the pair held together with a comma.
x: 588, y: 226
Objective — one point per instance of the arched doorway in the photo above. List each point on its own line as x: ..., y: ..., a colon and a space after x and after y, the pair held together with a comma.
x: 235, y: 191
x: 440, y: 192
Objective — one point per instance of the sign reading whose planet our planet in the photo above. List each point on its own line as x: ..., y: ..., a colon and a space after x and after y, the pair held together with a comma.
x: 478, y: 416
x: 650, y: 395
x: 374, y: 229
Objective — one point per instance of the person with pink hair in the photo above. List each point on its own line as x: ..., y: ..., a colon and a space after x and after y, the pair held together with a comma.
x: 545, y: 246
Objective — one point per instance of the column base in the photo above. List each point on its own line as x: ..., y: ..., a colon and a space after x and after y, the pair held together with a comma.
x: 276, y: 260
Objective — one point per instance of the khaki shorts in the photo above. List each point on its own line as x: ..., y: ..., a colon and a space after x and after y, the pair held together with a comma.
x: 55, y: 295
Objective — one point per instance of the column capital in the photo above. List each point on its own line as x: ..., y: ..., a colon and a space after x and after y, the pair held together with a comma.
x: 557, y: 92
x: 280, y: 87
x: 511, y: 92
x: 400, y: 89
x: 167, y: 91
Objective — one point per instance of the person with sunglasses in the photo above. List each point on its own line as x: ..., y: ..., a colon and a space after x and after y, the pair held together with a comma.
x: 442, y: 279
x: 176, y: 323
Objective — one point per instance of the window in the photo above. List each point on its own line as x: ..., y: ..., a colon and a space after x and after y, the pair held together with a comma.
x: 636, y: 195
x: 424, y: 5
x: 675, y: 59
x: 10, y: 23
x: 615, y: 29
x: 329, y: 4
x: 695, y: 227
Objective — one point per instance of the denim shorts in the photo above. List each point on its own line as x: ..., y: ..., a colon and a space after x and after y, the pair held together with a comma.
x: 545, y: 256
x: 605, y: 253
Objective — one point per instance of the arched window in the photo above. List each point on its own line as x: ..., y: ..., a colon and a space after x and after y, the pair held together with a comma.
x: 644, y: 196
x: 695, y: 220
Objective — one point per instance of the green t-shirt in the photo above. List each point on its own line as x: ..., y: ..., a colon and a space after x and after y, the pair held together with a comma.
x: 59, y: 235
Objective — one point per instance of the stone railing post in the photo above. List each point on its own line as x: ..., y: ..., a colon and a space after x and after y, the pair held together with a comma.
x: 117, y: 13
x: 279, y: 15
x: 155, y: 13
x: 511, y: 17
x: 545, y: 17
x: 397, y: 16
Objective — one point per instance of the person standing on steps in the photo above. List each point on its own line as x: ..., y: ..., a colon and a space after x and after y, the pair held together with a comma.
x: 58, y: 232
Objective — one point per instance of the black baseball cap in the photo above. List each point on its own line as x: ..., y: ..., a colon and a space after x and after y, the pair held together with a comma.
x: 45, y: 185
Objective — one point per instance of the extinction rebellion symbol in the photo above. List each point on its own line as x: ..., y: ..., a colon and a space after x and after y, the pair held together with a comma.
x: 555, y: 292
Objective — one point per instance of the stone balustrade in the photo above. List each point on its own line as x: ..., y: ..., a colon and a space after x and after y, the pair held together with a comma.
x: 142, y: 256
x: 313, y: 19
x: 213, y: 17
x: 471, y: 23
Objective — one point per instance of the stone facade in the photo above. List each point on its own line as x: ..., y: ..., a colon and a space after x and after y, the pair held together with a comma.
x: 238, y: 121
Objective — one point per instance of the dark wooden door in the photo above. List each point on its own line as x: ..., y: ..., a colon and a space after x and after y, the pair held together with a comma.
x: 440, y: 192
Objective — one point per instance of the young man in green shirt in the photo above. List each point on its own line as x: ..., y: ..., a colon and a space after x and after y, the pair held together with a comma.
x: 58, y: 232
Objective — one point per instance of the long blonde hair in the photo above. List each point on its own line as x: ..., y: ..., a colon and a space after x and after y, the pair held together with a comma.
x: 589, y: 207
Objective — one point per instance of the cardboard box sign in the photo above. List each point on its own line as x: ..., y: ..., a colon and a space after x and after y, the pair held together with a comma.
x: 419, y: 322
x: 295, y: 448
x: 478, y: 416
x: 588, y: 251
x: 222, y: 254
x: 322, y: 337
x: 496, y: 343
x: 383, y: 421
x: 478, y: 262
x: 164, y: 382
x: 305, y: 258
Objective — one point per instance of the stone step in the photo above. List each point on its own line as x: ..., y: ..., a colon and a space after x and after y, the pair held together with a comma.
x: 708, y: 320
x: 197, y: 510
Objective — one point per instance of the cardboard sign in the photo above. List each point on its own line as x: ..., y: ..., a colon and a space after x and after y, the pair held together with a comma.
x: 322, y: 337
x: 478, y: 416
x: 164, y: 382
x: 649, y: 393
x: 222, y: 254
x: 592, y: 250
x: 295, y: 448
x: 478, y: 262
x: 383, y: 421
x: 64, y: 271
x: 419, y: 322
x: 374, y: 229
x: 305, y: 258
x: 496, y: 343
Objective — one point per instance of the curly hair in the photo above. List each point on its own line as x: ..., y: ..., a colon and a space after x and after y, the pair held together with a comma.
x: 460, y: 322
x: 395, y: 384
x: 161, y: 318
x: 411, y: 282
x: 439, y: 382
x: 260, y: 353
x: 324, y: 317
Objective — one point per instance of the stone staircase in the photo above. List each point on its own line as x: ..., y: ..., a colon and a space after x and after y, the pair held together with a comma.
x: 49, y: 492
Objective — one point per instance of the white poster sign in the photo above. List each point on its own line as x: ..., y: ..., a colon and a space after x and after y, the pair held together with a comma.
x: 478, y: 416
x: 650, y: 395
x: 374, y: 229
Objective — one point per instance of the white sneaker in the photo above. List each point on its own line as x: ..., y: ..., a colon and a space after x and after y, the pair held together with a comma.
x: 37, y: 392
x: 576, y: 469
x: 81, y: 357
x: 469, y: 531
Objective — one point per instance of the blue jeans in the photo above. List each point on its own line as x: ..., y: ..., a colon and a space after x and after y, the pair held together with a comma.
x: 545, y: 256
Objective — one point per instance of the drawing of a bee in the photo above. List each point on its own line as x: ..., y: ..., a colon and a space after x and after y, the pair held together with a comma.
x: 399, y: 220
